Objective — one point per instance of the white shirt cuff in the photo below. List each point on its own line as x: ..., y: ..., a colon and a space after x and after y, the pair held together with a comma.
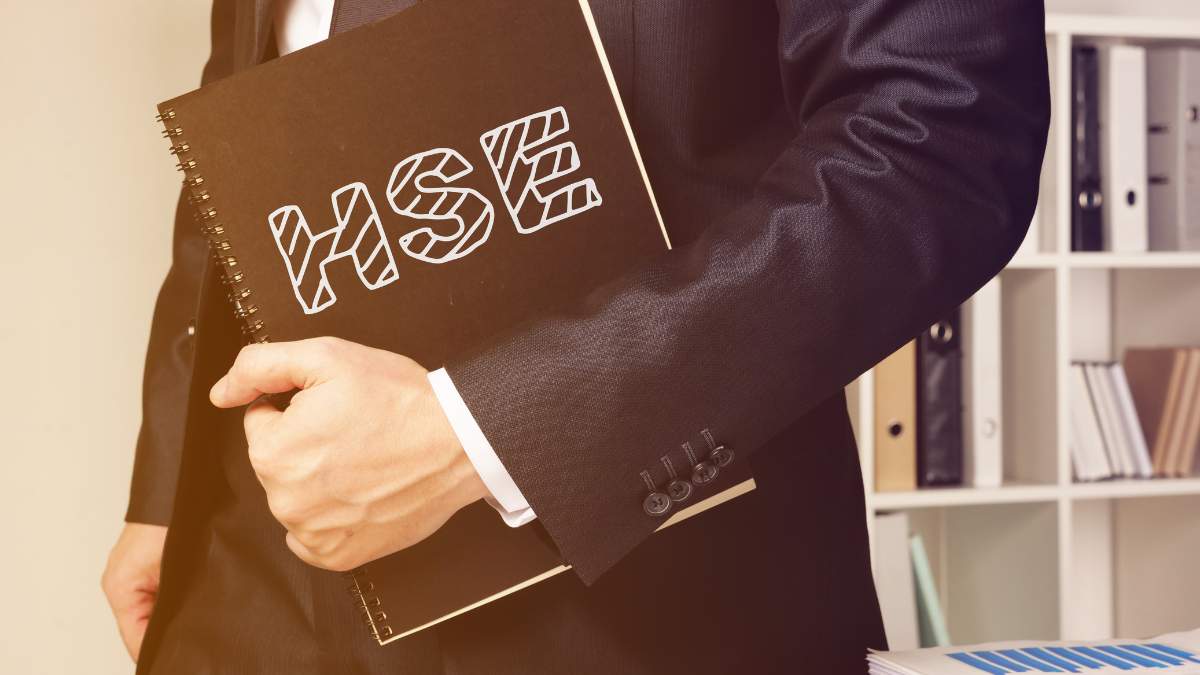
x: 505, y: 497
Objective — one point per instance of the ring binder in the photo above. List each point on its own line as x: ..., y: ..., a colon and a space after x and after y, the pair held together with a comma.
x: 206, y: 215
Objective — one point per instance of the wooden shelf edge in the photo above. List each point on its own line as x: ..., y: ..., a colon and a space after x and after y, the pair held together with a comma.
x: 1152, y: 487
x: 962, y: 496
x: 1151, y: 260
x: 1025, y: 494
x: 1094, y: 25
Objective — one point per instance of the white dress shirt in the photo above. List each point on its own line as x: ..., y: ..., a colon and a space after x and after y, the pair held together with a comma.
x: 298, y: 24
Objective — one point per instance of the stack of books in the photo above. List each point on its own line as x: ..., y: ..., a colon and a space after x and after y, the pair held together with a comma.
x: 1138, y: 418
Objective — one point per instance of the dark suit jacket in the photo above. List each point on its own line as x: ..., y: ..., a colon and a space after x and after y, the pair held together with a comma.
x: 835, y: 176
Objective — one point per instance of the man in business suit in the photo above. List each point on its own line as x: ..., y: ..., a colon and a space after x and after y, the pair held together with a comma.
x: 835, y: 176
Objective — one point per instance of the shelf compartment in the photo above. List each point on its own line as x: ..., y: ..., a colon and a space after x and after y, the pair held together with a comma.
x: 1029, y: 358
x: 996, y: 569
x: 1156, y: 546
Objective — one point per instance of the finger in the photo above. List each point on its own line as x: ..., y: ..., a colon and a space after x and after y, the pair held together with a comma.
x: 302, y: 552
x: 260, y: 417
x: 137, y: 634
x: 271, y: 368
x: 132, y: 621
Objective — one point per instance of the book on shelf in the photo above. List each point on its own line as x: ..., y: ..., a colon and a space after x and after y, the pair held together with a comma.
x: 1135, y: 148
x: 938, y: 400
x: 940, y: 403
x: 895, y: 422
x: 1171, y: 653
x: 1113, y: 427
x: 983, y: 464
x: 1133, y: 428
x: 1122, y: 94
x: 894, y: 583
x: 383, y: 209
x: 931, y: 620
x: 1087, y: 202
x: 1173, y: 99
x: 1138, y: 418
x: 1154, y: 377
x: 1089, y: 455
x: 1186, y: 429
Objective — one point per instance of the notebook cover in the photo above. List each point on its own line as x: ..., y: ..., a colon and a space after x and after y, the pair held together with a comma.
x: 420, y: 184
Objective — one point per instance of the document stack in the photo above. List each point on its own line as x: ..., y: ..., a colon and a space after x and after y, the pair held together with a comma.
x: 1174, y: 653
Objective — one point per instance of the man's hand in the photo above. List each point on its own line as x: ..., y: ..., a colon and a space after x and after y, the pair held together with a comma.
x: 363, y: 462
x: 130, y: 580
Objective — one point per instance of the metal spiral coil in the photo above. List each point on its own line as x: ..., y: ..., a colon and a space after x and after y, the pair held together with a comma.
x: 370, y: 608
x: 205, y: 214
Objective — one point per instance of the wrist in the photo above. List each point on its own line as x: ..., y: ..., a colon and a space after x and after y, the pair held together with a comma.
x: 467, y: 487
x: 472, y: 486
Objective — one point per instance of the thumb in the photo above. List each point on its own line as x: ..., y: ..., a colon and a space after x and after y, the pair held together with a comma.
x: 270, y: 368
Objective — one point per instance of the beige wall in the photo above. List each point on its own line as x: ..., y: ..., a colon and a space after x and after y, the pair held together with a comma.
x: 88, y: 193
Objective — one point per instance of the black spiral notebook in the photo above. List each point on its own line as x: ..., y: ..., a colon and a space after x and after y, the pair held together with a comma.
x: 420, y: 184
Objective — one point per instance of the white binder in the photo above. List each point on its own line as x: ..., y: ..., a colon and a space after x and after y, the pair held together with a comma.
x: 1123, y: 147
x: 1173, y: 116
x: 1088, y: 454
x: 894, y: 580
x: 983, y: 464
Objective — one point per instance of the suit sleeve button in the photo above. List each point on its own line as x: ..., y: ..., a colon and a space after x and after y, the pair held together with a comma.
x: 721, y: 455
x: 679, y: 490
x: 704, y: 473
x: 656, y: 504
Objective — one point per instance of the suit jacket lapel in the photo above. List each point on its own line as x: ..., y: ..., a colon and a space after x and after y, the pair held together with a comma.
x: 251, y: 26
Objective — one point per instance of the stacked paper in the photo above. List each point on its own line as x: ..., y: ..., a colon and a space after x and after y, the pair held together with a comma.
x: 1174, y: 653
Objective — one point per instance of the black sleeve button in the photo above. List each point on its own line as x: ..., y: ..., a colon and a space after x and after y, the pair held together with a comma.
x: 656, y: 504
x: 721, y: 455
x: 679, y: 490
x: 704, y: 473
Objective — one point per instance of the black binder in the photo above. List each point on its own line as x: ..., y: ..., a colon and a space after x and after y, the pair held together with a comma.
x: 1087, y: 203
x: 940, y: 404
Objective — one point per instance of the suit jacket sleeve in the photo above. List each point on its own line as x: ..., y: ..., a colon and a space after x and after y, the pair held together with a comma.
x: 910, y: 181
x: 167, y: 375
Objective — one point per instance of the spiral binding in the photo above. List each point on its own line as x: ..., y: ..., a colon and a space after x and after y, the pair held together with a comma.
x: 362, y: 590
x: 206, y: 215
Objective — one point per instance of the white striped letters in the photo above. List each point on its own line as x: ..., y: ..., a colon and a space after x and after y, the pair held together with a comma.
x: 531, y: 172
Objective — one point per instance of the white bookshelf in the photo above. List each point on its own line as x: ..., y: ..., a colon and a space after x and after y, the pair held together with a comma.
x: 1041, y: 556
